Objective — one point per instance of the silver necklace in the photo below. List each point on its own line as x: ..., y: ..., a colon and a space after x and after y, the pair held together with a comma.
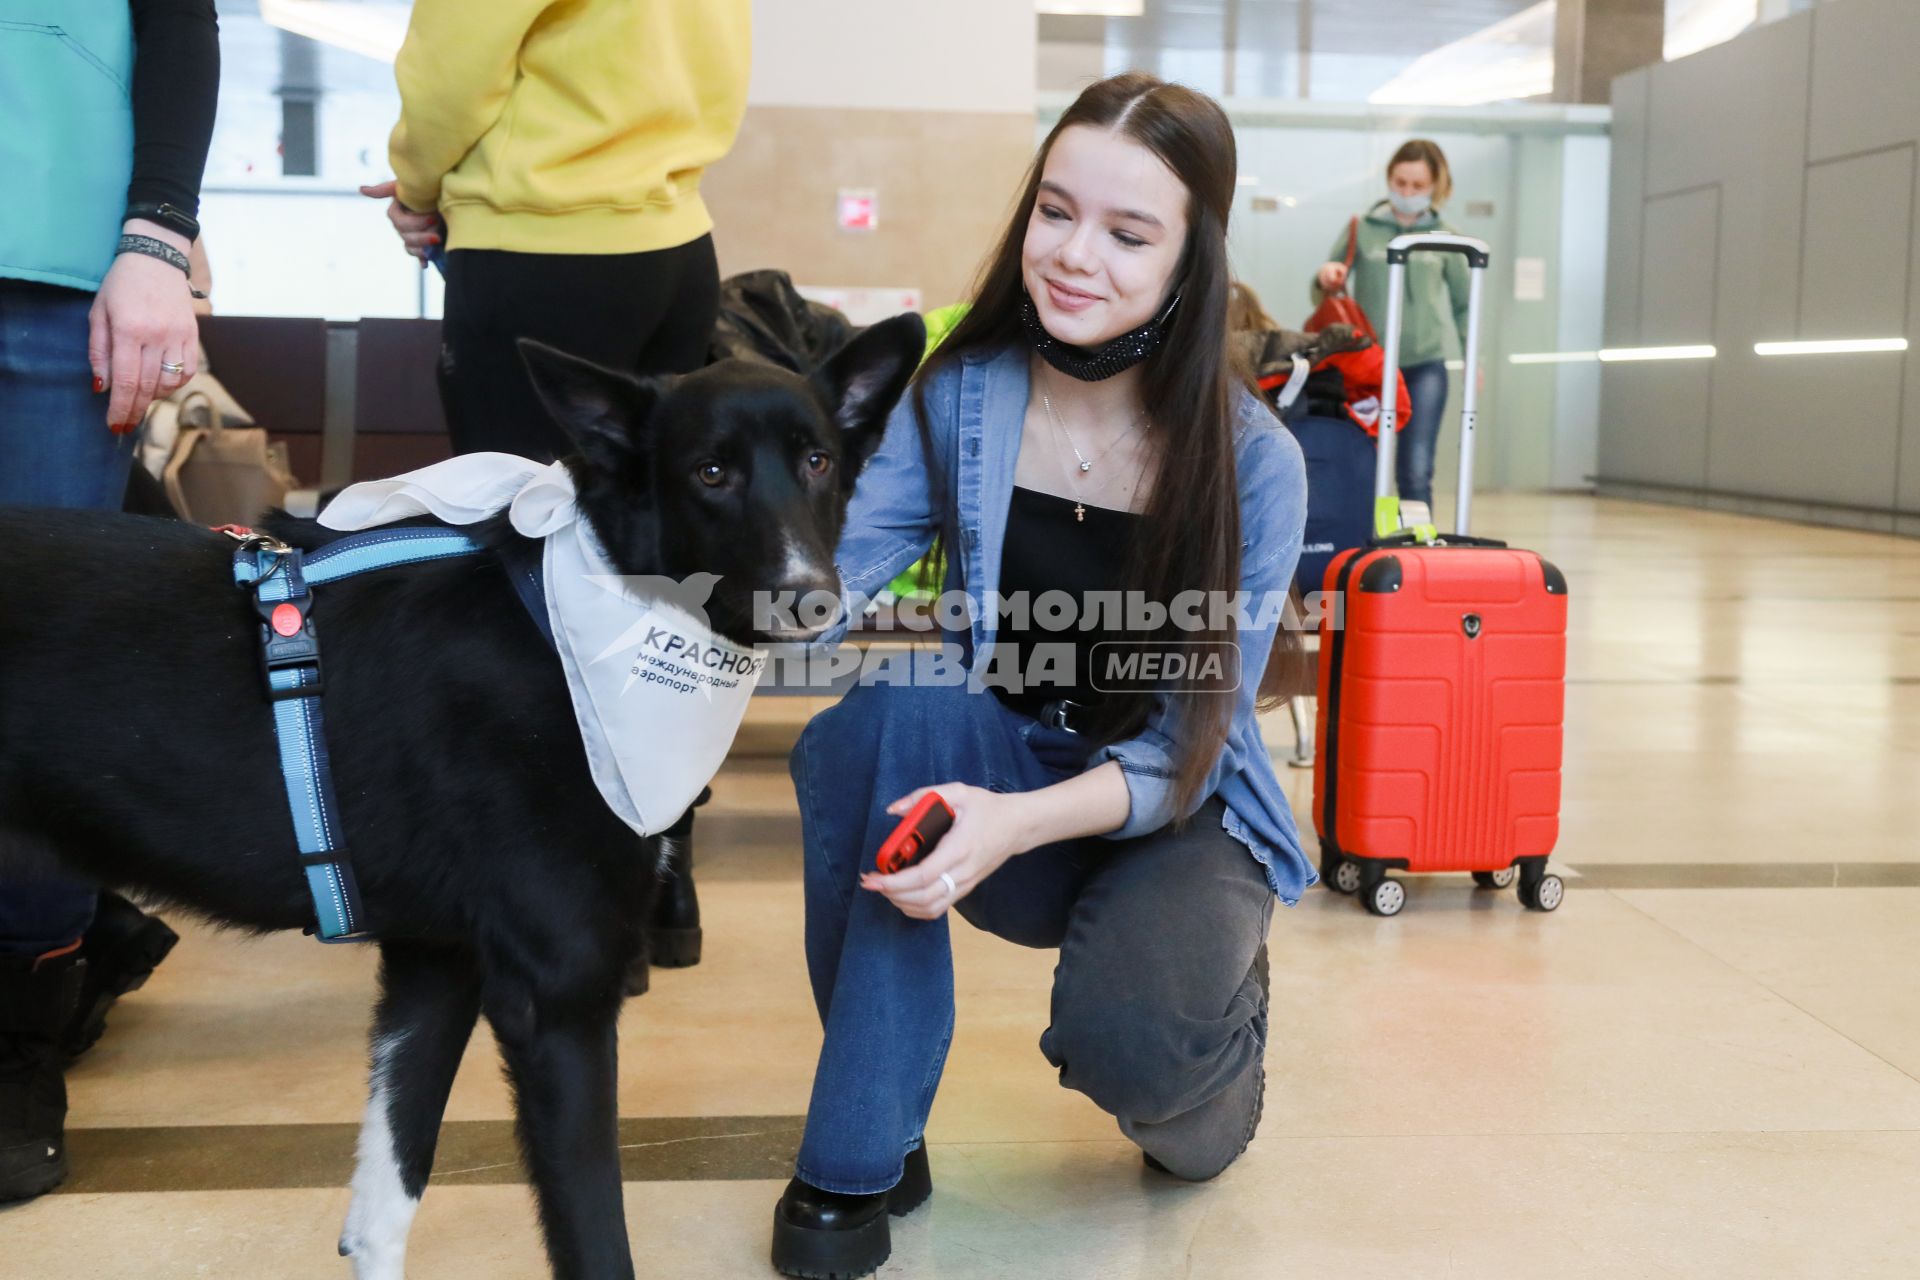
x: 1086, y: 463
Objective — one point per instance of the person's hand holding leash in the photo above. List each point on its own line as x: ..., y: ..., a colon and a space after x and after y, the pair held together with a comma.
x: 988, y: 828
x: 418, y: 231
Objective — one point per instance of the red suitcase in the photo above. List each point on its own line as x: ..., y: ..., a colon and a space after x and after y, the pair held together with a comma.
x: 1441, y: 688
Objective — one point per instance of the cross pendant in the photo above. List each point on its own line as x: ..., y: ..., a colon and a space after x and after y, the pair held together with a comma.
x: 1079, y: 514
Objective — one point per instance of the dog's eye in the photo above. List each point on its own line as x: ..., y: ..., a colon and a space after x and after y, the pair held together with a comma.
x: 818, y: 463
x: 712, y: 474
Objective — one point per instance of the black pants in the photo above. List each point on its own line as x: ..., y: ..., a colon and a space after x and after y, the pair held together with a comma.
x: 636, y: 312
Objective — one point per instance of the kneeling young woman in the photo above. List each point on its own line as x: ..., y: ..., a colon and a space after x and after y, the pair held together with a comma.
x: 1081, y: 430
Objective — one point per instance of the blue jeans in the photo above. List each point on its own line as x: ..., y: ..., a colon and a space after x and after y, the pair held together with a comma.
x: 1157, y: 1015
x: 1413, y: 463
x: 55, y: 451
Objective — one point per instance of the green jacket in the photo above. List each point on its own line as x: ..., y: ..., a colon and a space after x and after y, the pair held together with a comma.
x: 1434, y: 323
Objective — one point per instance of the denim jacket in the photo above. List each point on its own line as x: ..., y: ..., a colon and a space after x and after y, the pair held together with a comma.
x: 977, y: 408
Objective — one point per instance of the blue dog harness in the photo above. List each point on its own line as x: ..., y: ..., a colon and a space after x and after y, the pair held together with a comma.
x: 282, y: 579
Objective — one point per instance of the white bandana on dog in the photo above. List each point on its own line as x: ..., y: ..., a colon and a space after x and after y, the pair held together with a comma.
x: 658, y: 694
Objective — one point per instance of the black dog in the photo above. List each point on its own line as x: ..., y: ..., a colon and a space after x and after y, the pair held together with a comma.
x: 136, y: 748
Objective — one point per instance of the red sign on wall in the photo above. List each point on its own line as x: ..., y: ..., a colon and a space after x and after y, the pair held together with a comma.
x: 859, y: 210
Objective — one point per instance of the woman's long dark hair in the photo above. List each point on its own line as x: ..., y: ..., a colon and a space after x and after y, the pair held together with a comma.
x: 1189, y: 387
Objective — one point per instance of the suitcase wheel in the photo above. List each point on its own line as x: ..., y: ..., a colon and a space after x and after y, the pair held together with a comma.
x: 1345, y: 877
x: 1495, y: 879
x: 1384, y: 897
x: 1543, y: 894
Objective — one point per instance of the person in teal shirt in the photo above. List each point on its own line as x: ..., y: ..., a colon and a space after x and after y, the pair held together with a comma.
x: 106, y: 113
x: 1435, y: 318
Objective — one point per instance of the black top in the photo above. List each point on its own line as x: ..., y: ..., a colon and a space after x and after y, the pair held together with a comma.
x: 176, y: 85
x: 1048, y: 549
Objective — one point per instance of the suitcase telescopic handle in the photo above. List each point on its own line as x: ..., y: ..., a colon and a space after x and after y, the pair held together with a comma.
x: 1399, y: 249
x: 1474, y: 251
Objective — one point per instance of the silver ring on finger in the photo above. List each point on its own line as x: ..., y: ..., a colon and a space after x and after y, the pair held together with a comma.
x: 953, y: 890
x: 173, y: 368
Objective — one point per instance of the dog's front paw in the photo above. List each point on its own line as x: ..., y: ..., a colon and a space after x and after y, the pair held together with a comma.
x: 370, y: 1262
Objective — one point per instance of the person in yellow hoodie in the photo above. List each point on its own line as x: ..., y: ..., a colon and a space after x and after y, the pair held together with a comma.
x: 556, y: 147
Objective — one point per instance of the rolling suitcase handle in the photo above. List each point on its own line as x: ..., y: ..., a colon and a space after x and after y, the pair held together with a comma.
x: 1386, y: 517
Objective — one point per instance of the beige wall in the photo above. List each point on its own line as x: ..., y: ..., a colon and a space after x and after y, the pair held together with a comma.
x: 929, y: 103
x: 945, y: 180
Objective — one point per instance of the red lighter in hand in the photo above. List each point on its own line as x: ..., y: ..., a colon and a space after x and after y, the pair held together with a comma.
x: 916, y: 835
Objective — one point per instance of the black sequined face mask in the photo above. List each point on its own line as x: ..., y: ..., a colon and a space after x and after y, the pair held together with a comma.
x: 1116, y: 356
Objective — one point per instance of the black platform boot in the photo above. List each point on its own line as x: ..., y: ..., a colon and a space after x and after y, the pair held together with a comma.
x: 37, y: 998
x: 122, y: 948
x: 673, y: 927
x: 823, y: 1235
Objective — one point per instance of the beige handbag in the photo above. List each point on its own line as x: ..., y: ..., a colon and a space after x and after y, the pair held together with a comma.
x: 218, y: 474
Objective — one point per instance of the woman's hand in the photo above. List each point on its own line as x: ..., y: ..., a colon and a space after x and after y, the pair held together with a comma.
x: 419, y: 232
x: 988, y: 828
x: 1333, y: 277
x: 141, y: 318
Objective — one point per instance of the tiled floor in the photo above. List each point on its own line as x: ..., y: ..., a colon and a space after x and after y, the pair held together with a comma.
x: 1697, y: 1078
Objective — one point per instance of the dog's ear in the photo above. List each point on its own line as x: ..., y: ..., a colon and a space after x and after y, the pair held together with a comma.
x: 864, y: 379
x: 599, y: 409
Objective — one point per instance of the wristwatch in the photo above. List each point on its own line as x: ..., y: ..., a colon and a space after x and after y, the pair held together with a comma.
x: 170, y: 216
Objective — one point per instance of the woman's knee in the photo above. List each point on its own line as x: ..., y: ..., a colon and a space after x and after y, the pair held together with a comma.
x: 1128, y: 1067
x: 875, y: 745
x: 885, y: 733
x: 869, y: 709
x: 898, y: 697
x: 1148, y: 1050
x: 838, y: 748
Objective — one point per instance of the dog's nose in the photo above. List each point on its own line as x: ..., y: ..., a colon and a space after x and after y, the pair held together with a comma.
x: 805, y: 571
x: 813, y: 586
x: 799, y: 608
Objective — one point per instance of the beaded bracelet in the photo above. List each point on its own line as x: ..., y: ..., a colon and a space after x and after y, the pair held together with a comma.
x: 160, y: 249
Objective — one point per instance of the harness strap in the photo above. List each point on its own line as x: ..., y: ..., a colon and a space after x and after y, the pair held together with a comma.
x: 281, y: 578
x: 521, y: 558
